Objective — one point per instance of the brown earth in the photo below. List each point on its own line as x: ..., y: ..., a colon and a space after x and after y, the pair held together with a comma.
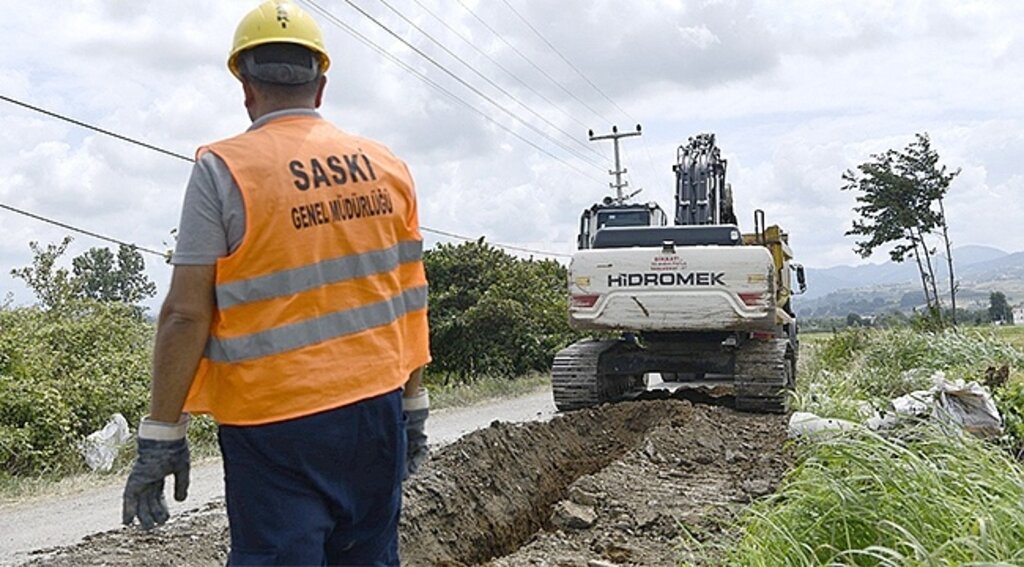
x: 614, y: 485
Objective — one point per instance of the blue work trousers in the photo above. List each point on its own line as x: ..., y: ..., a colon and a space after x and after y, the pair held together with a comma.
x: 324, y: 489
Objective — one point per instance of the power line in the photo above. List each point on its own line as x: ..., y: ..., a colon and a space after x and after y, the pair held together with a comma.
x: 563, y: 58
x: 530, y: 61
x: 495, y: 244
x: 95, y: 128
x: 164, y: 255
x: 522, y: 18
x: 495, y: 62
x: 84, y: 231
x: 185, y: 158
x: 488, y: 79
x: 465, y: 83
x: 454, y: 97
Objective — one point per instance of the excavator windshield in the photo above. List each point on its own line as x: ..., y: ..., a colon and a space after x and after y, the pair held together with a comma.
x: 624, y: 218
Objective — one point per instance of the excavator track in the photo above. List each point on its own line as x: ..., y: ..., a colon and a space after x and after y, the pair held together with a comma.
x: 577, y: 381
x: 764, y: 376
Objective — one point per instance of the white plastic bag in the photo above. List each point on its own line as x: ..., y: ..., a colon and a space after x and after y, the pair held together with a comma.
x: 968, y: 406
x: 915, y: 404
x: 804, y: 424
x: 100, y: 447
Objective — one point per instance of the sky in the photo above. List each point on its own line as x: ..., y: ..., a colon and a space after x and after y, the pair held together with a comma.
x: 796, y: 93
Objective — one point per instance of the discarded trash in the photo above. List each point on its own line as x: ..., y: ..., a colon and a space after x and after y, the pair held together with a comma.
x: 915, y: 404
x: 882, y: 422
x: 966, y: 405
x: 807, y: 424
x: 100, y: 447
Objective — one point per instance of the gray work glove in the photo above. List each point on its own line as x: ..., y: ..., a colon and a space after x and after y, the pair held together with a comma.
x: 417, y: 409
x: 162, y: 450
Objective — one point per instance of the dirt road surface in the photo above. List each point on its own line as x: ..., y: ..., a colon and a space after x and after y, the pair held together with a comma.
x: 613, y: 485
x: 29, y: 529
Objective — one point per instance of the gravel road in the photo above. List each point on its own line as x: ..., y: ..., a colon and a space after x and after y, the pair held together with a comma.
x: 50, y: 522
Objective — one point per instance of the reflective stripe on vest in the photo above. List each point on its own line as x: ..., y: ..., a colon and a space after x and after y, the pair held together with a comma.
x: 297, y: 280
x: 319, y: 329
x: 316, y: 308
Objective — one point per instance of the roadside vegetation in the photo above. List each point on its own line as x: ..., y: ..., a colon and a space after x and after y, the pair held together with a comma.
x: 489, y: 388
x: 83, y: 351
x: 493, y: 315
x: 920, y: 495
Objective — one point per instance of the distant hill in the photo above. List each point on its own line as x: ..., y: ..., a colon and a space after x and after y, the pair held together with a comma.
x: 967, y: 260
x: 876, y: 288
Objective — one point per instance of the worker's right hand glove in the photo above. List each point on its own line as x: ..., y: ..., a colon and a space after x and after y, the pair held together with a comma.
x: 162, y: 450
x: 417, y: 409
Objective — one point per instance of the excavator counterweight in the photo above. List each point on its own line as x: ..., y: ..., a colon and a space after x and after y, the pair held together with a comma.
x: 698, y: 302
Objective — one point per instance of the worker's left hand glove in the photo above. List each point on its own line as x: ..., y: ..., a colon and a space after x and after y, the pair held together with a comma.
x: 162, y: 450
x: 417, y: 409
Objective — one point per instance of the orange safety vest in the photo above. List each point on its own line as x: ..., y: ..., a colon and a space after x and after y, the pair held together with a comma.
x: 324, y: 303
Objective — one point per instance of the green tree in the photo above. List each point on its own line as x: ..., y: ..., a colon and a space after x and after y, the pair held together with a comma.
x: 999, y: 308
x: 492, y: 313
x: 104, y: 277
x: 900, y: 195
x: 97, y: 274
x: 53, y: 285
x: 921, y: 163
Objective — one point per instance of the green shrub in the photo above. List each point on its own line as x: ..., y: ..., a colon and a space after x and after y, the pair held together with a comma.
x: 63, y: 373
x: 68, y: 364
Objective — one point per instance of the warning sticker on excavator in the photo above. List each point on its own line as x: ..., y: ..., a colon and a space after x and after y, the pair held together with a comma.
x: 667, y: 263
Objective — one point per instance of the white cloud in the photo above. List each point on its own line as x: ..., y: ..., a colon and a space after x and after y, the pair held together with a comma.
x: 700, y: 36
x: 796, y: 92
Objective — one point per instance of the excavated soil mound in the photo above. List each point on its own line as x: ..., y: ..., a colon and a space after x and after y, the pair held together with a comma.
x: 611, y: 485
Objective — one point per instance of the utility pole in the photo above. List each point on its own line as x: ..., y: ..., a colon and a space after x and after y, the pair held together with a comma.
x: 618, y: 171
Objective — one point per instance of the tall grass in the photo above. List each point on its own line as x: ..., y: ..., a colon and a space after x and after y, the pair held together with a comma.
x: 861, y: 499
x: 924, y: 497
x: 871, y: 365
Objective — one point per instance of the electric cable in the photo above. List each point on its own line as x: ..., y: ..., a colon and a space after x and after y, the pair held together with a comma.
x: 650, y: 162
x: 530, y: 61
x: 454, y: 97
x: 463, y: 82
x: 495, y: 244
x: 163, y: 255
x: 497, y: 64
x: 536, y: 32
x: 488, y: 79
x: 184, y: 158
x: 95, y: 128
x: 563, y: 58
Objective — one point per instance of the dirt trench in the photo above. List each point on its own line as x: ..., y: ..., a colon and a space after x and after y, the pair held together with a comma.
x: 615, y: 484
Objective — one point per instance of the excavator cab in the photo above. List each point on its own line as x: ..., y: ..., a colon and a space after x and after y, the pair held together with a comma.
x: 609, y: 214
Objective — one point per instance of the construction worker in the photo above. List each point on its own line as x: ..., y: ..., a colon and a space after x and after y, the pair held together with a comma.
x: 296, y: 314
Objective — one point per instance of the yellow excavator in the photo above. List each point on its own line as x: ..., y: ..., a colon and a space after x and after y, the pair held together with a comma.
x: 698, y: 301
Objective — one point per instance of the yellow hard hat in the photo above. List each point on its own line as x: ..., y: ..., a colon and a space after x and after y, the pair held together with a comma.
x: 277, y: 21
